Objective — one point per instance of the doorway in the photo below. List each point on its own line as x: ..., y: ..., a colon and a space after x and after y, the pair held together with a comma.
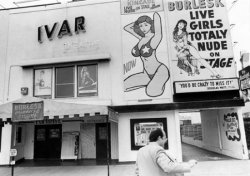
x: 47, y: 142
x: 101, y: 141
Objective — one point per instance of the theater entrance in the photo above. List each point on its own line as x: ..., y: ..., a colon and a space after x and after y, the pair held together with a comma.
x: 101, y: 141
x: 47, y: 142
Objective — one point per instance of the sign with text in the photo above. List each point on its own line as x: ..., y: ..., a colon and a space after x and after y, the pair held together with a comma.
x: 244, y: 75
x: 27, y: 111
x: 200, y: 40
x: 206, y: 85
x: 140, y: 6
x: 13, y: 152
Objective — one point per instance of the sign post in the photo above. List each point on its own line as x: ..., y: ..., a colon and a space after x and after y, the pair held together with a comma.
x: 13, y: 153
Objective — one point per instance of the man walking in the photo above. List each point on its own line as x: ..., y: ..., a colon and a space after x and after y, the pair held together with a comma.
x: 152, y: 160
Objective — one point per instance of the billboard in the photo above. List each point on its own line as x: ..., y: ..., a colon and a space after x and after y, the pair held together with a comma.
x: 145, y: 58
x: 199, y: 39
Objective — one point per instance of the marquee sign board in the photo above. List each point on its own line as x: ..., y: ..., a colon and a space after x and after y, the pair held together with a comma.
x: 27, y: 111
x: 206, y: 85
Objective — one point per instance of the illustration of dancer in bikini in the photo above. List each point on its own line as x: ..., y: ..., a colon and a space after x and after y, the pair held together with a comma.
x: 154, y: 74
x: 188, y: 56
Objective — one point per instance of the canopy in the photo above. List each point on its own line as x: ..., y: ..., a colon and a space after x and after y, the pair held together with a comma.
x: 53, y: 108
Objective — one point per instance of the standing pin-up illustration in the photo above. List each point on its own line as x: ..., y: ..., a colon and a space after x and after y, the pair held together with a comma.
x: 154, y: 74
x: 187, y: 54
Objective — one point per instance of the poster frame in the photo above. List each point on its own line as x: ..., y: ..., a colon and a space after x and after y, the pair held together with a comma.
x: 48, y: 82
x: 135, y: 121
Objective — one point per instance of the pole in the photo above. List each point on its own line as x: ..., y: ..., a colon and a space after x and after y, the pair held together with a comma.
x: 12, y: 166
x: 107, y: 128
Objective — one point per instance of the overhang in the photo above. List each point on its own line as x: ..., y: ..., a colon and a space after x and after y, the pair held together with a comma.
x: 59, y: 110
x: 100, y: 57
x: 210, y: 104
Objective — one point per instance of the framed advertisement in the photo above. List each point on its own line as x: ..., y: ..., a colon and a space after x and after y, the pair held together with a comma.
x: 87, y: 80
x: 43, y: 82
x: 141, y: 128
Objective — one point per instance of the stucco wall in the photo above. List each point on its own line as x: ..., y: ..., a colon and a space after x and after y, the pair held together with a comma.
x: 222, y: 133
x: 3, y: 48
x: 210, y: 132
x: 23, y: 44
x: 6, y: 144
x: 124, y: 141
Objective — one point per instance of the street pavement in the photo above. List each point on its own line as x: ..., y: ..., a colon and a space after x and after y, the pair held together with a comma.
x: 203, y: 168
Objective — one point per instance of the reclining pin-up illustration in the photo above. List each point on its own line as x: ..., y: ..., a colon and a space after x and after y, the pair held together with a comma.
x: 154, y: 74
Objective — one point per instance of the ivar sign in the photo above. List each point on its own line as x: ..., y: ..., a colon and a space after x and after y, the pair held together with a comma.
x: 64, y: 30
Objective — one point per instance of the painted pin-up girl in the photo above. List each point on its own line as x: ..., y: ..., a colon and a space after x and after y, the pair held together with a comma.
x: 187, y: 54
x: 155, y: 74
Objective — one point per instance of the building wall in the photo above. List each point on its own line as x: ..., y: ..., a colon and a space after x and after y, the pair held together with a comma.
x: 96, y: 40
x: 15, y: 144
x: 210, y: 132
x: 6, y: 144
x: 224, y: 136
x: 233, y: 133
x: 29, y: 141
x: 3, y: 48
x: 124, y: 141
x: 238, y: 13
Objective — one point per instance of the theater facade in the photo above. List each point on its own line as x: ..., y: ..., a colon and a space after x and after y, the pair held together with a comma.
x: 91, y: 79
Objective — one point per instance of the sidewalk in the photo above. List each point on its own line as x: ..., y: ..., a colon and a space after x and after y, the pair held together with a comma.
x: 203, y: 168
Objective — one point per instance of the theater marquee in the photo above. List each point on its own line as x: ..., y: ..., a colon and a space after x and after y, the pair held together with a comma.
x: 206, y: 85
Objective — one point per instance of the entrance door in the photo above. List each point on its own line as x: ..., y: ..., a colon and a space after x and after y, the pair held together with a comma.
x: 101, y: 141
x: 247, y: 131
x: 48, y: 141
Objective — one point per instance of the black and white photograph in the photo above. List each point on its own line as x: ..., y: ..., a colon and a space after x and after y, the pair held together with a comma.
x: 124, y: 88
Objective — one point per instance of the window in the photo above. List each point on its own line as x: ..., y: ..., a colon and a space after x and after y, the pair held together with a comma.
x: 18, y: 135
x: 42, y: 82
x: 64, y: 84
x: 87, y: 80
x: 66, y: 81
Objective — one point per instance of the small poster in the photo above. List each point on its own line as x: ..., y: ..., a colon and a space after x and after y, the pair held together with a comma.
x: 141, y: 129
x: 43, y: 82
x: 87, y: 80
x: 231, y: 126
x: 140, y: 6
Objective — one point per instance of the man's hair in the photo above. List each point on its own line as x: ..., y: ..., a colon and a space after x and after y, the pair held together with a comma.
x: 155, y: 134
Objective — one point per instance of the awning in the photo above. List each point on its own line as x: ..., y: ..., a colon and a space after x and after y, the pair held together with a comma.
x: 54, y: 109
